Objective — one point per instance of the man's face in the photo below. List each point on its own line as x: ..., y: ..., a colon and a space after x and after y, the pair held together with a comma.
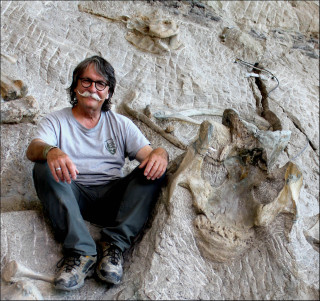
x: 90, y: 74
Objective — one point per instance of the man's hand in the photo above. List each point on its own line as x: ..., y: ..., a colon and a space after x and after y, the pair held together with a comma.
x: 61, y: 166
x: 154, y: 161
x: 59, y: 163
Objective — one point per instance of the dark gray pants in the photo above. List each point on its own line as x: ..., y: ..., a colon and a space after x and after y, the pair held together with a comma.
x: 121, y: 207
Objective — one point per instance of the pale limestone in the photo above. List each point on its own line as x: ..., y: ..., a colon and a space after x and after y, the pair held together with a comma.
x: 42, y: 42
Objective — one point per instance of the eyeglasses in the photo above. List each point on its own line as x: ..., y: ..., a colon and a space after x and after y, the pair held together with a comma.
x: 87, y: 82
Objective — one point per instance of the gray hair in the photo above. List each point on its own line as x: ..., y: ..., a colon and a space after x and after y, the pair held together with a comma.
x: 104, y: 68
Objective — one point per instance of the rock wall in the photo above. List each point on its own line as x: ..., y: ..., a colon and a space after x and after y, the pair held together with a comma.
x: 246, y: 225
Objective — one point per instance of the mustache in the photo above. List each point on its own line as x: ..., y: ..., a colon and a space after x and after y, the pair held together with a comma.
x: 88, y: 94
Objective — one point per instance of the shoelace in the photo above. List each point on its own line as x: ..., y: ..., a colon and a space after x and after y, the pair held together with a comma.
x: 70, y: 262
x: 114, y: 253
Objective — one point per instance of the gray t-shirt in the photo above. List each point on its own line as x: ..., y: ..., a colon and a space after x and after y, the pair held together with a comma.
x: 98, y: 153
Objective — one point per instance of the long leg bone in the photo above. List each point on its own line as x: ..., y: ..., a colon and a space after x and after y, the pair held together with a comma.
x: 14, y: 271
x: 148, y: 122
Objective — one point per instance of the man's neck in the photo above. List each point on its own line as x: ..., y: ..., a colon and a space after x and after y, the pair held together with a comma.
x: 88, y: 118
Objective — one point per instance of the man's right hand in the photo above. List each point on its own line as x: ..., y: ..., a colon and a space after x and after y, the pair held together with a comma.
x: 61, y: 166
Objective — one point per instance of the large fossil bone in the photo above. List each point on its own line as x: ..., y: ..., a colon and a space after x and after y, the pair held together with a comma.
x: 289, y: 194
x: 14, y: 271
x: 247, y: 135
x: 153, y: 34
x: 148, y: 33
x: 184, y: 114
x: 247, y: 196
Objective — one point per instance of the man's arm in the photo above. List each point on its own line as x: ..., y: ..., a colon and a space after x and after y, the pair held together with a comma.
x: 59, y: 162
x: 155, y: 161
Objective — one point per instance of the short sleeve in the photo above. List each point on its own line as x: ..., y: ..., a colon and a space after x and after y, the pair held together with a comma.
x: 135, y: 140
x: 47, y: 130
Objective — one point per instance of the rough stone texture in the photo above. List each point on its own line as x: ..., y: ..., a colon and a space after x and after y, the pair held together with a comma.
x: 41, y: 44
x: 20, y: 110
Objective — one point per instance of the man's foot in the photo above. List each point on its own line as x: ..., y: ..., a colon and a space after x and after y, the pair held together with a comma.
x: 109, y: 268
x: 74, y: 269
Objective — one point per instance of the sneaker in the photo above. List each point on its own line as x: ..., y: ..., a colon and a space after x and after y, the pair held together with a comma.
x: 73, y: 270
x: 109, y: 268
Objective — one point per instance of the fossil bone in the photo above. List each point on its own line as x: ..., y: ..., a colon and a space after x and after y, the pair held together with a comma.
x: 21, y: 290
x: 22, y: 109
x: 184, y: 114
x: 147, y: 111
x: 12, y: 89
x: 312, y: 234
x: 244, y: 133
x: 148, y: 33
x: 153, y: 34
x: 140, y: 116
x: 290, y: 193
x: 247, y: 196
x: 14, y: 271
x: 10, y: 58
x: 169, y: 129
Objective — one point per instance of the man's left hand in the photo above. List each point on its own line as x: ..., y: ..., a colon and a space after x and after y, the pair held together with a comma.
x: 155, y: 162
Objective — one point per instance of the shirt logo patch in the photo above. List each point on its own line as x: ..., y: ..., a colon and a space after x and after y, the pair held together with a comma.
x: 110, y: 146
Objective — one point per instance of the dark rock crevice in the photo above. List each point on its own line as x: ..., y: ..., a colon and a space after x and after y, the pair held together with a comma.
x: 267, y: 114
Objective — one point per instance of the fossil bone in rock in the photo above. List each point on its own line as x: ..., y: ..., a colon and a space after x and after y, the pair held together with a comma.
x: 148, y: 33
x: 10, y: 58
x: 142, y: 117
x: 245, y: 134
x: 12, y: 89
x: 13, y: 271
x: 22, y: 109
x: 184, y: 115
x: 312, y: 234
x: 246, y: 196
x: 266, y: 213
x: 152, y: 34
x: 20, y: 290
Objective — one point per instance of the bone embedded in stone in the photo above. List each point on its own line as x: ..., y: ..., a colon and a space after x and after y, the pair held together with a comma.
x: 287, y: 197
x: 147, y: 111
x: 153, y: 35
x: 312, y: 234
x: 184, y: 115
x: 12, y: 88
x: 14, y: 271
x: 12, y: 59
x: 227, y: 214
x: 211, y: 237
x: 219, y: 241
x: 245, y: 133
x: 19, y: 110
x: 21, y: 290
x: 134, y: 113
x: 169, y: 129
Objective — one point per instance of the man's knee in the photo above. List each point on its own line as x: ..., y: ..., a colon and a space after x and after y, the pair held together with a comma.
x: 41, y: 170
x: 139, y: 172
x: 44, y: 180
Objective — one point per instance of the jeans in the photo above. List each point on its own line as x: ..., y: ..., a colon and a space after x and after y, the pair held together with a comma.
x: 121, y: 207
